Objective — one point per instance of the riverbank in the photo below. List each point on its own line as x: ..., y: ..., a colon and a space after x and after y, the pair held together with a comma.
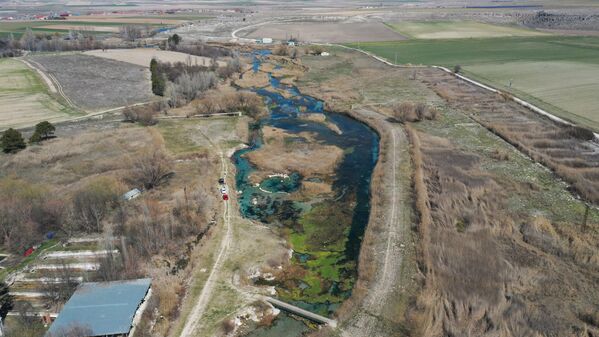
x: 387, y: 273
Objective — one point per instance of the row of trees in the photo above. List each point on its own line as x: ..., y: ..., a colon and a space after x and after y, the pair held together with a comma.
x: 12, y: 141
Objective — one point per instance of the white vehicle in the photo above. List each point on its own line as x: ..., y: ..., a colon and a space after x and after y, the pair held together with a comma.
x: 223, y: 189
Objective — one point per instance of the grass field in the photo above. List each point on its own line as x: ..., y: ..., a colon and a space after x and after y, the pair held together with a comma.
x: 457, y: 30
x: 24, y: 99
x: 17, y: 28
x: 557, y: 73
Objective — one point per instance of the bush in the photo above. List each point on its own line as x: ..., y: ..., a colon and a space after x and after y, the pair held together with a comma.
x: 457, y: 69
x: 12, y: 141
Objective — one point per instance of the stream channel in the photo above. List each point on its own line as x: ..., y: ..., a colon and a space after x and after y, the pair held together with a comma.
x: 326, y: 233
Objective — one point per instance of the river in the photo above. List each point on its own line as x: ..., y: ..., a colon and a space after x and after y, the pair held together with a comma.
x: 328, y: 270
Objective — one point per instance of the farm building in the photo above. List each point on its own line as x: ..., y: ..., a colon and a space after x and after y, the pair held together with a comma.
x: 110, y: 309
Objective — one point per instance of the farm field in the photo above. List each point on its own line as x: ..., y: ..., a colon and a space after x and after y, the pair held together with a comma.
x: 94, y: 83
x: 458, y: 29
x: 327, y: 32
x: 24, y: 99
x: 143, y: 56
x: 556, y: 72
x: 92, y: 25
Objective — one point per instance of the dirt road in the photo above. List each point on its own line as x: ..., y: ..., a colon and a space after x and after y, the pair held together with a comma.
x: 194, y: 319
x: 369, y: 320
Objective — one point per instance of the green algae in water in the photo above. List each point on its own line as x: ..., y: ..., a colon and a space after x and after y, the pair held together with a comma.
x: 279, y: 184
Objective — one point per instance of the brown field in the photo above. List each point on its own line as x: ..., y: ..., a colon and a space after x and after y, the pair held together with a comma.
x: 143, y: 56
x: 327, y: 32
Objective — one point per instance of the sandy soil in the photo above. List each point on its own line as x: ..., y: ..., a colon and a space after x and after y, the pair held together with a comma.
x: 327, y: 32
x: 143, y: 56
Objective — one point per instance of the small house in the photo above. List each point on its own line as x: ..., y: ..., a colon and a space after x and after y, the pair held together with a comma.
x: 325, y: 53
x: 266, y: 40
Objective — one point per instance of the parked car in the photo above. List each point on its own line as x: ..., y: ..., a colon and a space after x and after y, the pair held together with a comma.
x: 223, y: 189
x: 221, y: 181
x: 225, y: 197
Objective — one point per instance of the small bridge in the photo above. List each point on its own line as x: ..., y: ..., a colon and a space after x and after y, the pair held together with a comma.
x: 301, y: 312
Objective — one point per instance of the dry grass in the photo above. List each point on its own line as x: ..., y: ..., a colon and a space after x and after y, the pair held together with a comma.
x: 484, y: 273
x: 287, y: 153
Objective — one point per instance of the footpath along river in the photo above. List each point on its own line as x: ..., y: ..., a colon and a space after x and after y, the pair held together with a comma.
x: 328, y: 271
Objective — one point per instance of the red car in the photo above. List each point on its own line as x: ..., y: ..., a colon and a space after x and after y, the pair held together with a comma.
x: 225, y: 197
x: 28, y: 252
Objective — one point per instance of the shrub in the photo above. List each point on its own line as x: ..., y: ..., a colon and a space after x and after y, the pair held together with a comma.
x: 457, y: 69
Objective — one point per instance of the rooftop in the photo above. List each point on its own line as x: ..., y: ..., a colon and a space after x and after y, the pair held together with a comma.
x: 107, y: 308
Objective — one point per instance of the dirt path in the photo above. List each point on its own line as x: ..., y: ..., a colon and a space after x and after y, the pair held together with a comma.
x: 389, y: 256
x: 194, y: 320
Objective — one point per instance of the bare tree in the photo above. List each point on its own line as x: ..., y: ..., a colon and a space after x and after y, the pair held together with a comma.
x: 93, y: 202
x: 189, y: 86
x: 152, y: 168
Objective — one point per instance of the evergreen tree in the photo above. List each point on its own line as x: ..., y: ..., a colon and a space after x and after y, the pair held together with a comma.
x: 12, y: 141
x: 158, y: 80
x: 174, y: 40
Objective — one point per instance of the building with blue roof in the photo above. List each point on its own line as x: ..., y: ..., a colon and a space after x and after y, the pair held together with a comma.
x: 104, y: 308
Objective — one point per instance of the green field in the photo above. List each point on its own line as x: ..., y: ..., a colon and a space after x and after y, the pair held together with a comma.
x: 24, y: 98
x: 457, y: 30
x: 557, y: 73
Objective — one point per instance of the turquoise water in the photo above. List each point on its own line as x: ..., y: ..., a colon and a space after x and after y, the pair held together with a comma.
x: 268, y: 202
